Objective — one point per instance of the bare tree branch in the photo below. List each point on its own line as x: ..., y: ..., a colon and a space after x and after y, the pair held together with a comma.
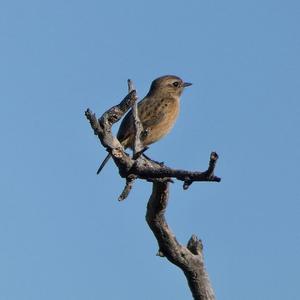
x: 138, y: 146
x: 190, y: 258
x: 142, y: 167
x: 129, y: 183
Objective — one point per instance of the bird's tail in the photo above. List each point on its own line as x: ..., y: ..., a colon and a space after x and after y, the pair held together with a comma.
x: 103, y: 163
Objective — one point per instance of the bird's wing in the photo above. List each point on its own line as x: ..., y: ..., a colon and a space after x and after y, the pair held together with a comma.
x: 150, y: 122
x: 126, y: 129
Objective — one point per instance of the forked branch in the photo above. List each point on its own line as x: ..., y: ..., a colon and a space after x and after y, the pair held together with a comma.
x: 190, y: 258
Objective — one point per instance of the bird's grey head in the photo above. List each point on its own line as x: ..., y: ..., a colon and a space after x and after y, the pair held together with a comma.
x: 168, y: 86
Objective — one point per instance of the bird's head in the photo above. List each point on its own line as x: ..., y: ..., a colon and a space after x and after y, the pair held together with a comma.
x: 168, y: 86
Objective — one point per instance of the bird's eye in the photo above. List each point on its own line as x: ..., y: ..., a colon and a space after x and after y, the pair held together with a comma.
x: 176, y: 83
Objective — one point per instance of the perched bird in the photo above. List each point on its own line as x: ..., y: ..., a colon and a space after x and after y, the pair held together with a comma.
x: 158, y: 112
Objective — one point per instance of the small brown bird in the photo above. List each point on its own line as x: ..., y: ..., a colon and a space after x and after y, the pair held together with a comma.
x: 158, y: 112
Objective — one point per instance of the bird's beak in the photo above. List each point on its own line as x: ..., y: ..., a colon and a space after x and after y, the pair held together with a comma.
x: 185, y: 84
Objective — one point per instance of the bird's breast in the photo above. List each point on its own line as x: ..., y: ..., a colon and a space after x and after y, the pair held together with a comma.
x: 158, y: 117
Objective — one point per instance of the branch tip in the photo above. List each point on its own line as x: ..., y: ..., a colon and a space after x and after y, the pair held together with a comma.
x: 128, y: 186
x: 130, y: 85
x: 214, y: 156
x: 160, y: 253
x: 186, y: 184
x: 195, y: 245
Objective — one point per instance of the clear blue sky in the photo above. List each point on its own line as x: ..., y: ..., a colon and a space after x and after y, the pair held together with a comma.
x: 63, y: 233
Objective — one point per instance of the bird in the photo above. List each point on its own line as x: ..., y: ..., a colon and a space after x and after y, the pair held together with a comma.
x: 157, y: 111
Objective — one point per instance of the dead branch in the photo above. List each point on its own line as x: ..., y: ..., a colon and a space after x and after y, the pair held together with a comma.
x: 190, y: 258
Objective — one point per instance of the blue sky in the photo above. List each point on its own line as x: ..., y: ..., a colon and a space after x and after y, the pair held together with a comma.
x: 63, y: 233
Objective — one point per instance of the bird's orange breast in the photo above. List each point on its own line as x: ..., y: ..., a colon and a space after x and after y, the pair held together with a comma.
x: 158, y: 117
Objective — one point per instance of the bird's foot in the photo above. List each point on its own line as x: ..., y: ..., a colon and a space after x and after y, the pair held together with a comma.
x: 161, y: 163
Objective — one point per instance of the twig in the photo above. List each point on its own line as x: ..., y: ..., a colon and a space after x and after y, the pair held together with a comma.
x: 102, y: 128
x: 127, y: 188
x: 138, y: 126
